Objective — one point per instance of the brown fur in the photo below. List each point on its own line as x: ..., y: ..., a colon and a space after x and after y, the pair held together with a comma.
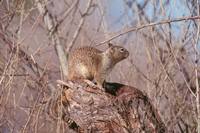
x: 93, y: 64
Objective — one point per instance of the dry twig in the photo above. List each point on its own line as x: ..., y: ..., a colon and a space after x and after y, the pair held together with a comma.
x: 150, y: 25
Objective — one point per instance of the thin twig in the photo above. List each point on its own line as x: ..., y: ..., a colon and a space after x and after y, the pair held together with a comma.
x: 51, y: 23
x: 61, y: 20
x: 149, y: 25
x: 196, y: 72
x: 82, y: 21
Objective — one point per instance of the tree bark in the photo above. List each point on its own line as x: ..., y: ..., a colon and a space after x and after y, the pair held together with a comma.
x: 119, y: 109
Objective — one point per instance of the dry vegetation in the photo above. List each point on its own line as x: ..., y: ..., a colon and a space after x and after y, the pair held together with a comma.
x: 163, y: 63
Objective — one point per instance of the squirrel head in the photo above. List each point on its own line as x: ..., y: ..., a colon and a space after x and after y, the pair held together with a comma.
x: 116, y: 53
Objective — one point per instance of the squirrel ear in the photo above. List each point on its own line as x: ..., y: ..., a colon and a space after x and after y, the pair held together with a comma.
x: 110, y: 44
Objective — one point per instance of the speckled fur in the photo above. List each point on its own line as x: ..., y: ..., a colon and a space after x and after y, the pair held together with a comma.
x: 93, y: 64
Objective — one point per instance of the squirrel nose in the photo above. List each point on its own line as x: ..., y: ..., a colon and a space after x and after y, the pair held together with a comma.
x: 127, y: 54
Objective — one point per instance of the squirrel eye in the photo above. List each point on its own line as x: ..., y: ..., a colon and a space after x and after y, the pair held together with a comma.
x: 122, y: 50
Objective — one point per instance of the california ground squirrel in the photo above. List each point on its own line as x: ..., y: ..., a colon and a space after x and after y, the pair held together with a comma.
x: 93, y: 64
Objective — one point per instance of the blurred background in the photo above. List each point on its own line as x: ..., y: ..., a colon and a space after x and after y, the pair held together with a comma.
x: 163, y: 61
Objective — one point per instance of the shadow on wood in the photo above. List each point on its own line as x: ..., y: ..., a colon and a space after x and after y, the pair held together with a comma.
x: 120, y: 109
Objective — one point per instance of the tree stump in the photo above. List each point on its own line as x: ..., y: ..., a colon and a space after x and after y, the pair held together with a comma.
x: 119, y: 109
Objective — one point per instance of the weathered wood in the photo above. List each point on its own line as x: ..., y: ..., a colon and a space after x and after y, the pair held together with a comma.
x: 121, y: 109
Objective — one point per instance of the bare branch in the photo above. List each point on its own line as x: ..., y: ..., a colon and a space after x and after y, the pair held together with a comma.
x: 51, y: 23
x: 150, y: 25
x: 81, y: 23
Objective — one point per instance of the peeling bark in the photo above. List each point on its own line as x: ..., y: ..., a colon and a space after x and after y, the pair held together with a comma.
x: 121, y: 109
